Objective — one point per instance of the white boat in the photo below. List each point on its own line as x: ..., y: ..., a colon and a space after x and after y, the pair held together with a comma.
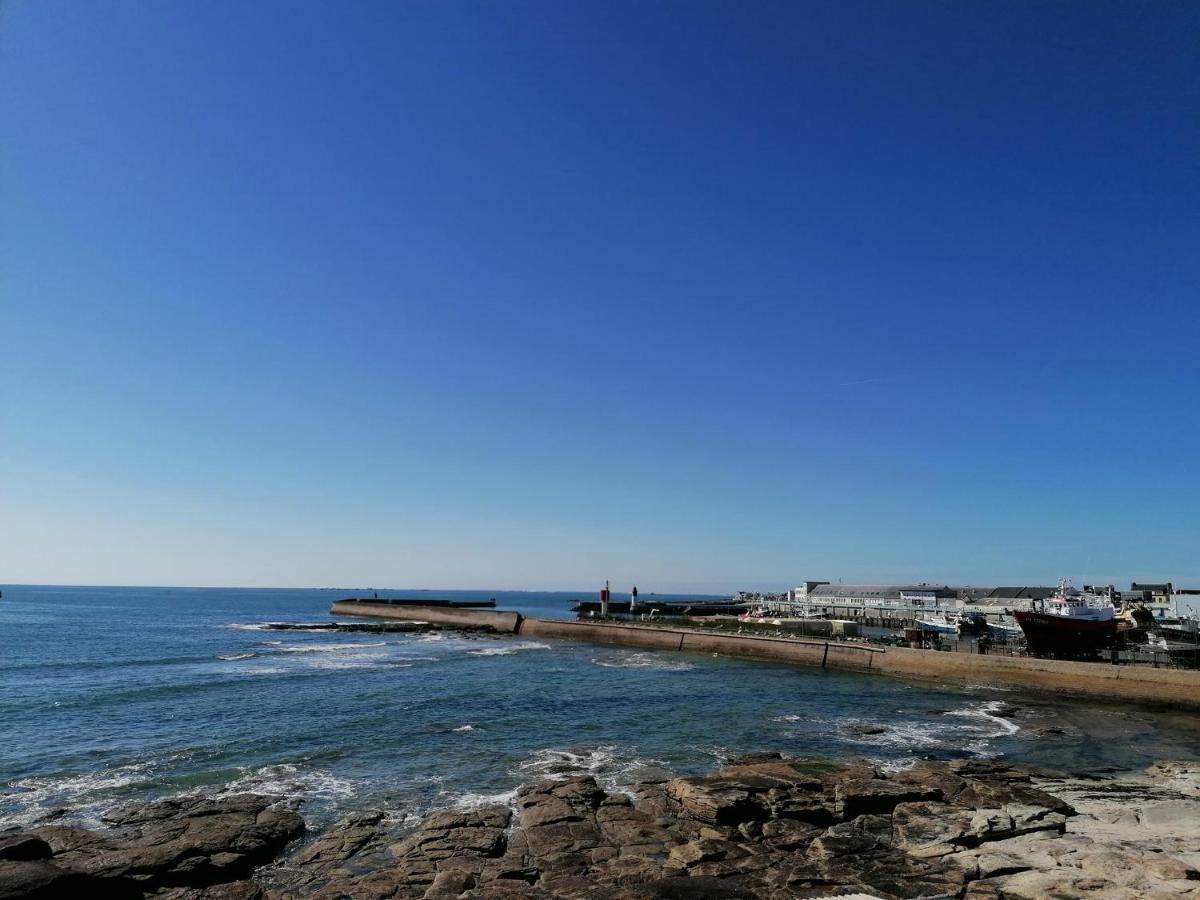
x: 938, y: 627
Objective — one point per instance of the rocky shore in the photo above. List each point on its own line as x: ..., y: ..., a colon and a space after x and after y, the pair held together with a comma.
x: 762, y: 826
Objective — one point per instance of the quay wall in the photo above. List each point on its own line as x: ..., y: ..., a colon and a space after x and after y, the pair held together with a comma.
x: 1177, y: 688
x: 505, y: 622
x: 802, y: 652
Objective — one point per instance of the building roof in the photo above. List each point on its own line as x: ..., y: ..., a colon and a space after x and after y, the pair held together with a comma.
x: 881, y: 590
x: 1021, y: 593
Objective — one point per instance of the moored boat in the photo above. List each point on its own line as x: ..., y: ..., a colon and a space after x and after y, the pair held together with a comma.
x: 972, y: 623
x: 937, y: 627
x: 1070, y: 624
x: 1001, y: 632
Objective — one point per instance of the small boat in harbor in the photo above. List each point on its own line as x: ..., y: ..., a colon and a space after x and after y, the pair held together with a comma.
x: 937, y: 627
x: 1002, y: 632
x: 972, y: 623
x: 1069, y: 625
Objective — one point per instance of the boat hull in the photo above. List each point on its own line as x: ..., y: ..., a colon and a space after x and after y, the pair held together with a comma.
x: 937, y: 627
x: 1065, y: 637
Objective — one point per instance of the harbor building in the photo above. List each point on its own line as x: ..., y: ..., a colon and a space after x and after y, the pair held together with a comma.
x: 907, y: 602
x: 893, y: 602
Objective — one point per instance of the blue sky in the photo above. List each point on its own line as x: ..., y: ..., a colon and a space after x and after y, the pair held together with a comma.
x: 531, y: 295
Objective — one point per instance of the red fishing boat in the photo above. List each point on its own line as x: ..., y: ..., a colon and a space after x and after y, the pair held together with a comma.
x: 1070, y: 625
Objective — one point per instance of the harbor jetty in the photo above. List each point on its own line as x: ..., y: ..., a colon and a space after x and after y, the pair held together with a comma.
x: 1175, y: 688
x: 425, y: 601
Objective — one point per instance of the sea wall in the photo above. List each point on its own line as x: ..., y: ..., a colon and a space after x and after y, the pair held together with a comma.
x: 505, y: 622
x: 809, y: 653
x: 1178, y: 688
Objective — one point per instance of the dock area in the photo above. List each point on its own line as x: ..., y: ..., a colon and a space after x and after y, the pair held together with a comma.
x: 1160, y: 687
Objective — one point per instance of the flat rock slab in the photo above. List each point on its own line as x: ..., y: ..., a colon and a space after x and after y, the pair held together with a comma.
x: 188, y: 842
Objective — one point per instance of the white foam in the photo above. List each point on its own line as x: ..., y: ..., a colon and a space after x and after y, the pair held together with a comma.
x: 606, y: 763
x: 973, y: 730
x: 253, y: 626
x: 324, y: 662
x: 34, y: 796
x: 1002, y: 727
x: 287, y: 780
x: 236, y: 656
x: 329, y: 648
x: 902, y: 735
x: 644, y: 660
x: 892, y: 766
x: 988, y: 687
x: 509, y: 649
x: 261, y: 670
x: 792, y: 717
x: 395, y: 819
x: 464, y: 728
x: 475, y: 801
x: 720, y: 754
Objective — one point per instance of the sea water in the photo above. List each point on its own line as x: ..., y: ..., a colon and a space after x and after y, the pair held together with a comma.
x: 114, y: 694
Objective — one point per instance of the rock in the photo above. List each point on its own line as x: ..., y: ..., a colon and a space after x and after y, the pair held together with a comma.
x: 233, y: 890
x: 695, y: 888
x: 762, y: 826
x: 875, y: 795
x: 450, y: 883
x: 40, y: 880
x: 716, y: 800
x: 650, y: 775
x: 750, y: 759
x: 175, y: 843
x: 341, y: 841
x: 21, y: 846
x: 546, y: 811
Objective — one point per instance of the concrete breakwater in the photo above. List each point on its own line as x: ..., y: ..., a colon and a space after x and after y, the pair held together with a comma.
x: 503, y: 622
x: 1178, y: 688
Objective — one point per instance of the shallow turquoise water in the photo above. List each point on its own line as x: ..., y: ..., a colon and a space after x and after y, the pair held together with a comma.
x: 108, y: 694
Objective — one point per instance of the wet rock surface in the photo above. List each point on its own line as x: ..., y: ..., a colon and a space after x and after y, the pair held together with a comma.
x: 762, y: 826
x: 181, y: 843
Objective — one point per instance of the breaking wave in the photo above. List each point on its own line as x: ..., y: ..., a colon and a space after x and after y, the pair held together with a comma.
x: 86, y: 794
x: 612, y: 767
x: 329, y: 648
x: 644, y: 660
x: 509, y: 649
x: 291, y: 781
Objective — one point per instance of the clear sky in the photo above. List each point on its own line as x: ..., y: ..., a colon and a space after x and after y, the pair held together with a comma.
x: 530, y: 295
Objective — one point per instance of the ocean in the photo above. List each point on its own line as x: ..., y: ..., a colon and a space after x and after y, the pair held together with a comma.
x: 111, y: 694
